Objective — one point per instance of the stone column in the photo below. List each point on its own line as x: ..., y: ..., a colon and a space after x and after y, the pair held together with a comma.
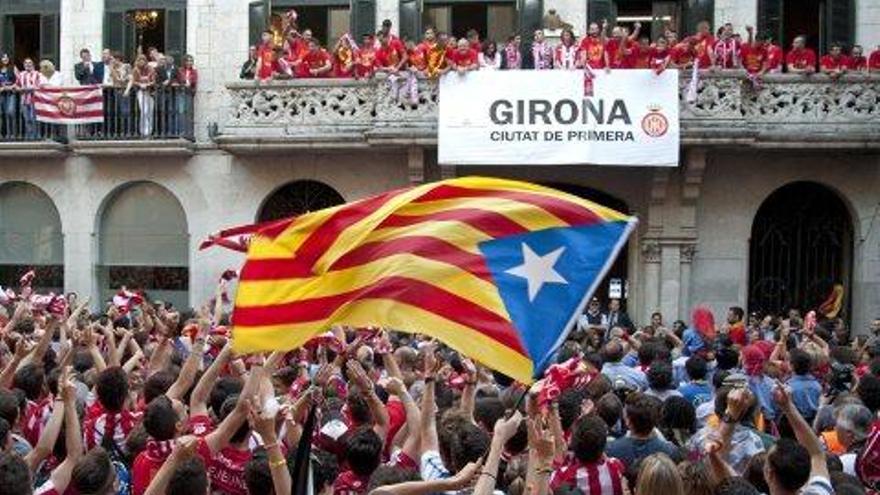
x: 739, y: 12
x: 387, y: 9
x: 217, y: 37
x: 670, y: 281
x: 574, y: 13
x: 415, y: 157
x: 687, y: 258
x: 81, y: 26
x: 651, y: 256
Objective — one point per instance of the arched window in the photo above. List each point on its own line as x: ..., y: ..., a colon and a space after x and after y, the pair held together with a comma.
x: 144, y: 244
x: 801, y: 246
x: 298, y: 197
x: 30, y: 238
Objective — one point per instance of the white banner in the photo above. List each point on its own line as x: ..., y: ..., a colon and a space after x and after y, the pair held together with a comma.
x: 526, y: 117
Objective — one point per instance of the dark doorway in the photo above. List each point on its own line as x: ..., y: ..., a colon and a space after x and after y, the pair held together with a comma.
x: 802, y: 18
x: 26, y: 38
x: 494, y: 21
x: 298, y: 197
x: 468, y: 16
x: 801, y: 246
x: 150, y: 34
x: 620, y: 269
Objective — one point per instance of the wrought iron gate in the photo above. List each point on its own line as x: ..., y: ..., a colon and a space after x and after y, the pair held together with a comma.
x: 801, y: 245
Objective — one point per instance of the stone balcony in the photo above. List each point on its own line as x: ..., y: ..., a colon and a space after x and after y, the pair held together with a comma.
x: 785, y: 111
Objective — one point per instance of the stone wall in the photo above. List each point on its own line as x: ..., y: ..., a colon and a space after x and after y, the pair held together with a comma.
x: 81, y: 27
x: 868, y: 24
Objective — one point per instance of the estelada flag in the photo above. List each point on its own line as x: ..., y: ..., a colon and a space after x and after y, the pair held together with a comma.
x: 75, y: 105
x: 499, y: 270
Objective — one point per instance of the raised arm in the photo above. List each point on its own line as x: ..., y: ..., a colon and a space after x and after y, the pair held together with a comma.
x: 428, y: 429
x: 22, y: 349
x: 184, y: 448
x: 379, y: 413
x: 264, y: 424
x: 73, y: 439
x: 412, y: 444
x: 191, y: 366
x: 42, y: 344
x: 49, y: 435
x: 198, y: 399
x: 505, y: 429
x: 220, y: 437
x: 802, y: 431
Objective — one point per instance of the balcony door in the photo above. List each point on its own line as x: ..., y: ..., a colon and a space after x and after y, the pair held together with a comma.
x: 327, y: 19
x: 129, y: 24
x: 655, y: 16
x: 823, y: 22
x: 29, y: 29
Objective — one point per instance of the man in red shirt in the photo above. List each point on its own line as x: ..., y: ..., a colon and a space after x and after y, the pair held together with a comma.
x: 365, y: 61
x: 463, y: 58
x: 874, y: 61
x: 835, y: 63
x: 703, y: 44
x: 416, y: 58
x: 297, y: 46
x: 800, y: 60
x: 643, y: 53
x: 622, y: 49
x: 754, y: 54
x: 164, y: 420
x: 682, y: 54
x: 592, y: 48
x: 388, y: 57
x: 659, y: 55
x: 473, y: 38
x: 857, y: 60
x: 775, y: 56
x: 315, y: 62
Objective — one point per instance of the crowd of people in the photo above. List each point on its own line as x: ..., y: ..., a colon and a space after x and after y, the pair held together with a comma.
x: 297, y: 54
x: 144, y: 398
x: 137, y: 94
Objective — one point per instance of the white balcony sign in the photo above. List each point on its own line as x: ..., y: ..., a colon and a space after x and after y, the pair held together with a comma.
x: 543, y: 117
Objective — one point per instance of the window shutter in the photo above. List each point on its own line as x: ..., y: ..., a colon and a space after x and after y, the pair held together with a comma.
x: 601, y: 9
x: 697, y: 11
x: 770, y: 19
x: 363, y: 17
x: 531, y: 14
x: 840, y: 25
x: 7, y: 37
x: 175, y: 34
x: 49, y: 40
x: 409, y: 21
x: 114, y: 32
x: 257, y: 21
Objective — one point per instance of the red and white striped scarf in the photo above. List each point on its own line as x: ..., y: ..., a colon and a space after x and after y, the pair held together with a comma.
x: 117, y: 425
x: 36, y: 415
x: 598, y: 478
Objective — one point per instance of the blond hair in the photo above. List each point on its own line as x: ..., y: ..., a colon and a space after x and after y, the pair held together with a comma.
x: 658, y: 474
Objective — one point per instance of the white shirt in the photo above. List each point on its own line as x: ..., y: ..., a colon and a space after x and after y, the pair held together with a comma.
x: 489, y: 63
x: 56, y: 80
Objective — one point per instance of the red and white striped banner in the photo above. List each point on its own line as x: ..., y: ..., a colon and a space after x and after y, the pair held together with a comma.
x: 76, y: 105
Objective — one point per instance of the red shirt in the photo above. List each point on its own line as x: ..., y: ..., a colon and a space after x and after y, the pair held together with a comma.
x: 737, y: 334
x: 703, y: 44
x: 349, y: 483
x: 858, y: 63
x: 387, y: 57
x: 801, y: 58
x: 476, y: 46
x: 265, y: 61
x: 620, y: 54
x: 200, y: 425
x: 416, y: 58
x: 753, y: 57
x: 774, y: 58
x: 727, y: 51
x: 874, y: 60
x: 657, y: 57
x: 143, y: 470
x: 296, y: 48
x: 225, y: 469
x: 312, y: 60
x: 365, y: 62
x: 642, y: 56
x: 468, y: 58
x: 834, y: 63
x: 594, y: 52
x: 603, y: 477
x: 682, y: 55
x: 342, y: 58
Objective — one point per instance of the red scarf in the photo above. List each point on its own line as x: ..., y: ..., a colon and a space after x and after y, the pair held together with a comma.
x: 159, y: 450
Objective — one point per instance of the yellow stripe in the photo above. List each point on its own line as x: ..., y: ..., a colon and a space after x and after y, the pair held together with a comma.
x: 450, y: 278
x: 462, y: 235
x: 528, y: 216
x: 392, y: 315
x: 285, y: 244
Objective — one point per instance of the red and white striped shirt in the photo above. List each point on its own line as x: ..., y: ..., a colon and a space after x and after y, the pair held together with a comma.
x: 603, y: 477
x: 100, y: 422
x: 36, y: 415
x: 29, y: 81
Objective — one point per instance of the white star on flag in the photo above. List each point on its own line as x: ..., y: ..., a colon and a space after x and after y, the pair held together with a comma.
x: 538, y: 270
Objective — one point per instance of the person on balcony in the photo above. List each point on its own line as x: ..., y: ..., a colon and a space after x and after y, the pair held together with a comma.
x: 434, y: 48
x: 874, y: 61
x: 659, y: 55
x: 28, y: 81
x: 622, y: 48
x: 53, y: 77
x: 392, y: 62
x: 344, y: 57
x: 489, y: 58
x: 365, y: 61
x: 87, y: 72
x: 463, y: 58
x: 249, y: 68
x: 314, y: 63
x: 727, y: 49
x: 857, y: 60
x: 513, y: 53
x: 120, y: 122
x: 143, y: 81
x: 267, y: 64
x: 542, y: 52
x: 775, y: 55
x: 800, y: 59
x: 591, y: 51
x: 473, y: 37
x: 703, y: 43
x: 8, y: 97
x: 835, y: 63
x: 166, y: 98
x: 565, y: 54
x: 187, y: 80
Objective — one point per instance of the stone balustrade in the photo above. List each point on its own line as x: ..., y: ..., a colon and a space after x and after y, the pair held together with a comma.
x: 782, y: 110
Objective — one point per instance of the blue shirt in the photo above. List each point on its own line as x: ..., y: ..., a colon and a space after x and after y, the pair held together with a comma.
x: 762, y: 388
x: 698, y: 392
x: 632, y: 377
x: 805, y: 393
x: 693, y: 342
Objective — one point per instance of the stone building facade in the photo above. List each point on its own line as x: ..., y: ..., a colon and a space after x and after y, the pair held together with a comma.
x: 128, y: 206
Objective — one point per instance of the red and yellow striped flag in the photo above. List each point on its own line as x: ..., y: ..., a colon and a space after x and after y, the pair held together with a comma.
x: 496, y: 269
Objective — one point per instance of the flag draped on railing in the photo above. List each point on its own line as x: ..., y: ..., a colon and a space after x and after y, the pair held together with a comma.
x: 75, y: 105
x: 498, y: 270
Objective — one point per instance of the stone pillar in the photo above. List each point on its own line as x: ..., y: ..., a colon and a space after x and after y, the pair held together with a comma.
x: 670, y: 280
x: 687, y: 258
x: 572, y: 12
x: 651, y: 256
x: 80, y: 254
x: 217, y: 37
x: 81, y: 26
x: 868, y: 24
x: 415, y: 156
x: 740, y: 13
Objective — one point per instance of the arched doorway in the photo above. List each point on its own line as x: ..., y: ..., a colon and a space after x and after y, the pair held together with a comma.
x: 296, y: 198
x: 144, y: 244
x: 30, y: 238
x: 617, y: 276
x: 801, y: 245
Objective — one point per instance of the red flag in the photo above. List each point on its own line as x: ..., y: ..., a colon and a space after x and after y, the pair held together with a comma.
x: 77, y: 105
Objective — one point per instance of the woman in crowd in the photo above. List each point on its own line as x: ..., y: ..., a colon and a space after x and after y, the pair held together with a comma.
x: 142, y: 80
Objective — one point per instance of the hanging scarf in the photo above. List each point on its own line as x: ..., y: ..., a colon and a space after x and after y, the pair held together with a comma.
x: 543, y: 56
x: 566, y: 56
x: 436, y: 59
x: 513, y: 57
